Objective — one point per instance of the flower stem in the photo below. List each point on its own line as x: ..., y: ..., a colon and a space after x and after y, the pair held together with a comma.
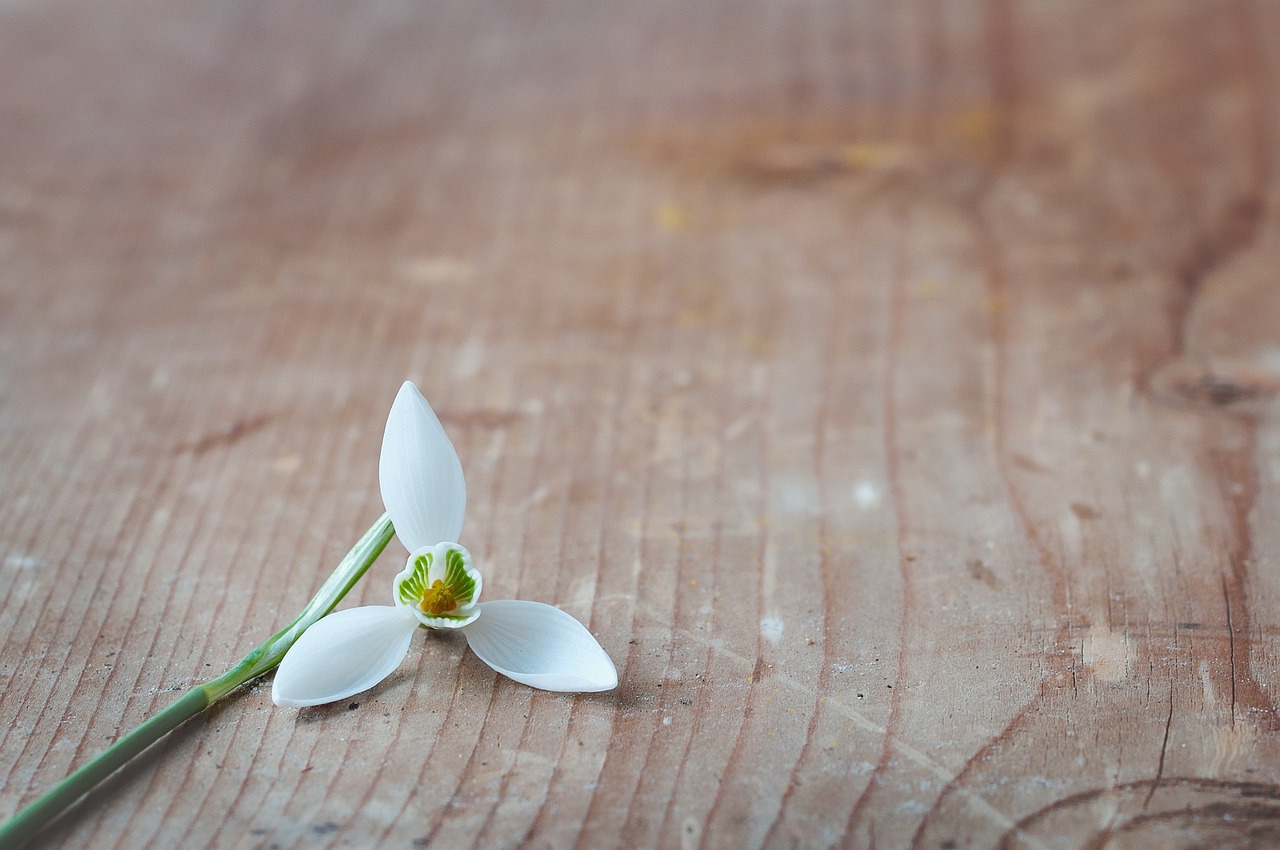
x: 30, y: 820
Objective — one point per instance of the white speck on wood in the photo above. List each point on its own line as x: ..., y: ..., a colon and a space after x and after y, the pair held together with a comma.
x: 25, y: 562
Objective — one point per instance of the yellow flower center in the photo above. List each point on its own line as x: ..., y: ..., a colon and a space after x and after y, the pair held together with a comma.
x: 438, y: 599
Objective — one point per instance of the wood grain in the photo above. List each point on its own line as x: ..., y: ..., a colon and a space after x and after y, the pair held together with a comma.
x: 891, y: 387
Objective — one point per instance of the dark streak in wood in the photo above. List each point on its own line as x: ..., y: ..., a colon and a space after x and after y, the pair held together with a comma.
x: 1240, y: 796
x: 1083, y: 512
x: 1221, y: 241
x: 979, y: 571
x: 1024, y: 462
x: 233, y: 433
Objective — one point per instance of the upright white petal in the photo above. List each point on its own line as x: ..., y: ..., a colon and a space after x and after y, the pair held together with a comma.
x: 420, y: 474
x: 343, y: 654
x: 541, y: 646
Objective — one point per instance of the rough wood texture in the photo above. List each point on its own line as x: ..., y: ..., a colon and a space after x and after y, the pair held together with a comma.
x: 891, y: 386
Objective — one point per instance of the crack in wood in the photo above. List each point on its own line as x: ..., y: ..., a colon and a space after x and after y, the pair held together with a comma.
x: 1164, y: 748
x: 1231, y: 648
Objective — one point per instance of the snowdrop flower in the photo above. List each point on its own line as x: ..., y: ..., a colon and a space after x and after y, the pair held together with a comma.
x: 425, y: 495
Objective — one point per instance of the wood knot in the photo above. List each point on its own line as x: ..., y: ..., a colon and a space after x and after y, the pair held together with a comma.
x: 1231, y: 386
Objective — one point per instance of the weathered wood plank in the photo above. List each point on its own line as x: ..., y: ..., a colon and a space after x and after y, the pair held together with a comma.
x: 891, y: 387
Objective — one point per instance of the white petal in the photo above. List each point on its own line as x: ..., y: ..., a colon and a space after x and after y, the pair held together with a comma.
x: 421, y: 476
x: 343, y: 654
x: 541, y: 646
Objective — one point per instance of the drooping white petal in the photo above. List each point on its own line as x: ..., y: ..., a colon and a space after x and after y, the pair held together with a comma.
x: 343, y: 654
x: 420, y: 474
x: 541, y: 646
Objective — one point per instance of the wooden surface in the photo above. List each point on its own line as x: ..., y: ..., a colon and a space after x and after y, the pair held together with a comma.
x: 891, y: 386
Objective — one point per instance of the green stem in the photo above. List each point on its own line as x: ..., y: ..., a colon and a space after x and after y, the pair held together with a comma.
x: 26, y: 823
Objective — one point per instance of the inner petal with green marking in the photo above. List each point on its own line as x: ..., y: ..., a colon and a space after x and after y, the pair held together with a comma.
x: 440, y: 586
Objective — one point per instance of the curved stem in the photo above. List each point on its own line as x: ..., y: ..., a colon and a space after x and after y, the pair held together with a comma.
x: 30, y: 820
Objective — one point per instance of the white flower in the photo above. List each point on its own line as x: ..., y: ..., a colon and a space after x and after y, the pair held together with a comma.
x: 424, y: 492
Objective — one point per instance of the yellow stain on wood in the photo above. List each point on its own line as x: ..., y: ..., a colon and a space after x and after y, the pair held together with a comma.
x: 695, y: 318
x: 975, y: 124
x: 862, y: 156
x: 671, y: 217
x: 927, y: 288
x: 757, y: 344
